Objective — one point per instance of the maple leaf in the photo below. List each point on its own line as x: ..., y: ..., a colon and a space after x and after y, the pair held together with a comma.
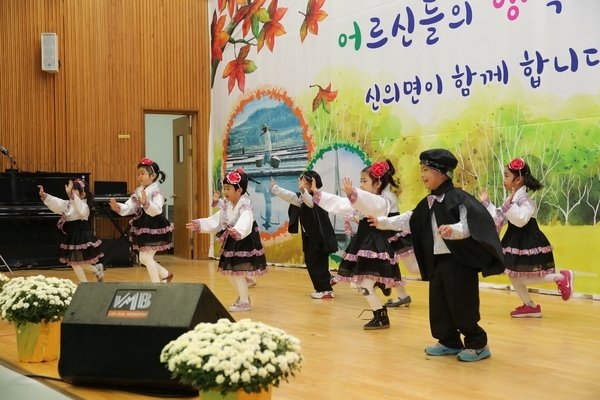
x: 252, y: 14
x: 272, y: 27
x: 324, y: 97
x: 230, y: 4
x: 237, y: 69
x: 313, y: 16
x: 218, y: 37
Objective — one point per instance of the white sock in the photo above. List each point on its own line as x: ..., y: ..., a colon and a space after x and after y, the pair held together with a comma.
x: 147, y: 258
x: 79, y: 272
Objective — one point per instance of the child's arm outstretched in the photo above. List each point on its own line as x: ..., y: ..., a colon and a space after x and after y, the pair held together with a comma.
x: 55, y: 204
x: 396, y: 223
x: 211, y: 224
x: 284, y: 194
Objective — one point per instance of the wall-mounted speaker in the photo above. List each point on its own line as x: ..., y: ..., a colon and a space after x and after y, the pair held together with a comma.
x: 50, y: 52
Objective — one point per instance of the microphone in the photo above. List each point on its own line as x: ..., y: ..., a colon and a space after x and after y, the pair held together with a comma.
x: 4, y: 151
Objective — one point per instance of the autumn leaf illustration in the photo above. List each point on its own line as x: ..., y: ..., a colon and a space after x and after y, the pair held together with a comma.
x: 324, y: 97
x: 218, y: 37
x: 237, y: 69
x: 271, y: 28
x: 230, y: 4
x: 313, y: 16
x: 252, y: 14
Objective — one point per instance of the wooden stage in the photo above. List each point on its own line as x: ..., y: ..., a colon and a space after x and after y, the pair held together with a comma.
x: 553, y: 357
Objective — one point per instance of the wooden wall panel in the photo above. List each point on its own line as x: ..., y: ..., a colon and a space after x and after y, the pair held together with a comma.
x: 118, y: 59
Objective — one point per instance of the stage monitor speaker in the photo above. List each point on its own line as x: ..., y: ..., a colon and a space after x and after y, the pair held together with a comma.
x: 112, y: 334
x: 50, y: 52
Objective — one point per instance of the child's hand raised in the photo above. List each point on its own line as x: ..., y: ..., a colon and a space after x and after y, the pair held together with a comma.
x: 347, y: 185
x: 216, y: 196
x: 41, y: 190
x: 272, y: 182
x: 143, y: 197
x: 313, y: 186
x: 69, y: 188
x: 483, y: 195
x: 114, y: 205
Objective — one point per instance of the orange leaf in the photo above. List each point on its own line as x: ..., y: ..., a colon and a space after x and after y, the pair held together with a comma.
x: 218, y: 37
x: 247, y: 13
x: 324, y: 97
x: 237, y: 69
x: 271, y: 28
x: 313, y: 16
x: 230, y: 4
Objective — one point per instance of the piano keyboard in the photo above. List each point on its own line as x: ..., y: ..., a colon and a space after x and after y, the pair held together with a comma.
x: 106, y: 199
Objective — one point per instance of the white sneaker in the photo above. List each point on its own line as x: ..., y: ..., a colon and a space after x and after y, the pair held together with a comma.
x: 240, y: 306
x: 322, y: 295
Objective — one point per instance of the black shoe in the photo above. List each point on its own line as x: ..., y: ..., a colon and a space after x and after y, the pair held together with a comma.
x: 386, y: 291
x: 380, y: 320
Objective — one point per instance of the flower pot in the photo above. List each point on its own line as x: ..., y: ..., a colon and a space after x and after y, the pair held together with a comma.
x: 38, y: 342
x: 239, y: 395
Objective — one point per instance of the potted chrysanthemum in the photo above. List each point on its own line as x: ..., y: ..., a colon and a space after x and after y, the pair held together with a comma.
x: 3, y: 280
x: 225, y: 358
x: 36, y: 305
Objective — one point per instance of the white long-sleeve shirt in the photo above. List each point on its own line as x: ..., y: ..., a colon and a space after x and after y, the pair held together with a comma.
x: 292, y: 197
x: 364, y: 202
x: 518, y: 212
x: 74, y: 209
x: 155, y: 199
x: 240, y: 218
x: 460, y: 230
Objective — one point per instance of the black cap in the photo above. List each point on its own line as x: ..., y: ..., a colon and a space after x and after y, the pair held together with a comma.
x: 439, y: 159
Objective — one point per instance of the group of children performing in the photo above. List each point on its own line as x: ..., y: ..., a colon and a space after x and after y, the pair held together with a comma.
x: 448, y: 239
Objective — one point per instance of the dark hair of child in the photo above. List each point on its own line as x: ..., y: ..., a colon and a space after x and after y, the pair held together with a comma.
x: 529, y: 181
x: 243, y: 181
x: 386, y: 179
x: 89, y: 197
x: 153, y: 169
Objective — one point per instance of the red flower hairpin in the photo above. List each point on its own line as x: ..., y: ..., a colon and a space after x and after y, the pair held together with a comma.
x: 379, y: 169
x: 517, y: 164
x: 81, y: 183
x: 234, y: 178
x: 146, y: 161
x: 240, y: 171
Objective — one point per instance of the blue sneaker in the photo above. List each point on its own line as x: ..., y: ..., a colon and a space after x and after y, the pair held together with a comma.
x: 474, y: 354
x: 439, y: 349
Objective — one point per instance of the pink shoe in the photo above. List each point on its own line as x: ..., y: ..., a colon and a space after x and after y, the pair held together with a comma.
x: 565, y: 286
x: 526, y: 311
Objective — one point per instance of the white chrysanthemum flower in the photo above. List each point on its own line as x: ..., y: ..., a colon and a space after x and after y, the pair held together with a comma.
x: 232, y: 356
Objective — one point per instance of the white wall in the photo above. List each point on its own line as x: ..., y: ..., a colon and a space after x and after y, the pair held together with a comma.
x: 159, y: 147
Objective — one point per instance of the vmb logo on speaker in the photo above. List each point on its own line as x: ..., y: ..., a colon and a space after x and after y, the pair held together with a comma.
x: 130, y: 304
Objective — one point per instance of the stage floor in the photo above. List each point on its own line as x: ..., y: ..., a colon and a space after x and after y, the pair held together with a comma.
x: 552, y: 357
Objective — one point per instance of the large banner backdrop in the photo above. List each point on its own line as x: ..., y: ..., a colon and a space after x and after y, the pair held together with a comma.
x: 335, y: 85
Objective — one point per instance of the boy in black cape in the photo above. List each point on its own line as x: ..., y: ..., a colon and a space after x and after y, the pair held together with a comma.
x: 454, y: 238
x: 318, y: 236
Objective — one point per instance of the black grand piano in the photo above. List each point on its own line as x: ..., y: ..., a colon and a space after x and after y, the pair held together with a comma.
x: 29, y: 237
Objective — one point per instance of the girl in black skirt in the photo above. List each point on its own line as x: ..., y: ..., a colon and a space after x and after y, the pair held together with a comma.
x: 80, y: 248
x: 150, y: 230
x: 369, y: 258
x: 242, y: 253
x: 527, y: 251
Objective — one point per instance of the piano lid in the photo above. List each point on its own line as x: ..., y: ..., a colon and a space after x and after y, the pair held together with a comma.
x: 20, y: 188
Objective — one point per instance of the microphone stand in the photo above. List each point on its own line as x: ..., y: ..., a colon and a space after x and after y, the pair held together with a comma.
x: 13, y: 163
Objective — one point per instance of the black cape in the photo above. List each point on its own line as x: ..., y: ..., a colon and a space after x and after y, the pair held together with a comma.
x: 481, y: 251
x: 316, y: 224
